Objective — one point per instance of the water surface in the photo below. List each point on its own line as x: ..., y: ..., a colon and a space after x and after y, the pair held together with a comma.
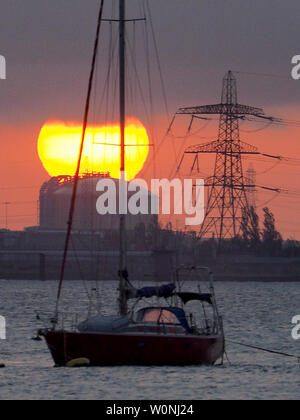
x: 255, y: 313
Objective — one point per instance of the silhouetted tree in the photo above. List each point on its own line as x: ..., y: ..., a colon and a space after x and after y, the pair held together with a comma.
x: 272, y: 239
x: 291, y: 248
x: 250, y: 228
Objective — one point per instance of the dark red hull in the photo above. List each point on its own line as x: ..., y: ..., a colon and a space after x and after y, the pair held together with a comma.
x: 103, y: 349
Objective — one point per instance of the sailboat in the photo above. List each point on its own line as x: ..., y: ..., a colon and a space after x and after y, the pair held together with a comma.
x: 161, y: 334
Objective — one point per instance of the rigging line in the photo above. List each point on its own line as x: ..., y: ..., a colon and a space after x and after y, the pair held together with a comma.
x: 115, y: 79
x: 134, y: 93
x: 131, y: 86
x: 115, y: 90
x: 161, y: 76
x: 128, y: 85
x: 112, y: 45
x: 76, y: 179
x: 95, y: 97
x: 82, y: 278
x: 149, y: 76
x: 111, y: 49
x: 265, y: 350
x: 160, y: 71
x: 138, y: 81
x: 135, y: 89
x: 111, y: 78
x: 164, y: 92
x: 108, y: 78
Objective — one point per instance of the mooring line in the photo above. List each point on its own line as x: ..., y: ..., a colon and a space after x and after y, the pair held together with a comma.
x: 265, y: 350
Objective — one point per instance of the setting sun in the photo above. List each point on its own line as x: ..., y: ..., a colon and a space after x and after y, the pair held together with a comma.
x: 58, y: 147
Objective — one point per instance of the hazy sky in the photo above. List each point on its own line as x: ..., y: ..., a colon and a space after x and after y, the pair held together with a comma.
x: 48, y: 45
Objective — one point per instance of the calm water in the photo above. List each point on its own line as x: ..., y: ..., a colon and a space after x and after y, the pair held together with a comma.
x: 256, y: 313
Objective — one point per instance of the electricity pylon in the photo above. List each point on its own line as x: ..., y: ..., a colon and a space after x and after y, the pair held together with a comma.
x: 227, y: 188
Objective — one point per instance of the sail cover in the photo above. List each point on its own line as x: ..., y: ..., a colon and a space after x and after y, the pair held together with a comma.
x: 189, y: 296
x: 103, y: 323
x: 164, y: 291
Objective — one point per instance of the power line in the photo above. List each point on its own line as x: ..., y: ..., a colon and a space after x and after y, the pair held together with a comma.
x: 19, y: 216
x: 275, y: 76
x: 20, y: 188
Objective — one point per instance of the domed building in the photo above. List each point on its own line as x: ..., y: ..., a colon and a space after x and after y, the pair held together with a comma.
x: 55, y: 198
x: 94, y: 250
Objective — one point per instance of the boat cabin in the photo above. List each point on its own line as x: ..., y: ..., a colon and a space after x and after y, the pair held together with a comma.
x: 163, y: 317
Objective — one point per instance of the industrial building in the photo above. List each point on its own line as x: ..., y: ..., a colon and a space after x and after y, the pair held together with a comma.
x: 55, y: 197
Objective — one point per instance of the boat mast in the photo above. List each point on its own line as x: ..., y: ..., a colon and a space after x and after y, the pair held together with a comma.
x: 123, y: 265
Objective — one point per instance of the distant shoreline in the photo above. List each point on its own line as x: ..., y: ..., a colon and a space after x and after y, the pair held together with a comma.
x: 217, y: 280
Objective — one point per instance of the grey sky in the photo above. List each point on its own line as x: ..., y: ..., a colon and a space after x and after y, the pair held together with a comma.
x: 47, y: 44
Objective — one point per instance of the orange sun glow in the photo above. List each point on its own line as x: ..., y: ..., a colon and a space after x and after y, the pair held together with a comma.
x: 58, y: 148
